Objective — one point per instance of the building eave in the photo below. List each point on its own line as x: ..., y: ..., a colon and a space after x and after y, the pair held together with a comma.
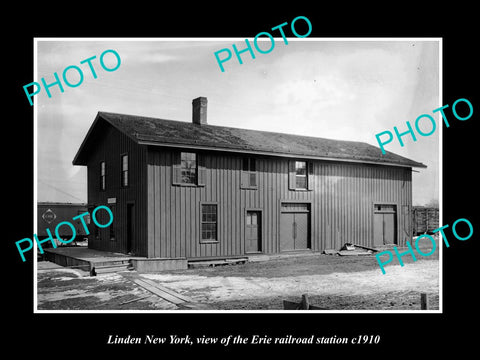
x: 278, y: 154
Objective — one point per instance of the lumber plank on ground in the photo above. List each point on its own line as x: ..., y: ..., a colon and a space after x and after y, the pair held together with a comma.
x: 167, y: 290
x: 364, y: 247
x: 353, y: 253
x: 163, y: 294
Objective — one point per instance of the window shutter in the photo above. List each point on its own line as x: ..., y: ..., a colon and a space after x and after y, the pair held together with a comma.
x: 248, y: 179
x: 310, y: 175
x: 244, y: 179
x: 176, y: 169
x: 291, y: 175
x: 201, y: 170
x: 248, y: 174
x: 253, y: 179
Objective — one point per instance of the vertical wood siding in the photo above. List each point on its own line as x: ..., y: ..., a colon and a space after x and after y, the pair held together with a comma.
x: 109, y: 149
x: 342, y: 199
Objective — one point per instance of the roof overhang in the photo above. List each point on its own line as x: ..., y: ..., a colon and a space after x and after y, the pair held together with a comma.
x: 277, y: 154
x: 147, y: 140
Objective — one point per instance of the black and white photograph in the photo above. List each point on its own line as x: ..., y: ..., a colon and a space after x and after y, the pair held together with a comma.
x: 259, y: 187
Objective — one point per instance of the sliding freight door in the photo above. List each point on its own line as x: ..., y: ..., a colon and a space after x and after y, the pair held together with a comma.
x: 295, y: 226
x: 384, y: 224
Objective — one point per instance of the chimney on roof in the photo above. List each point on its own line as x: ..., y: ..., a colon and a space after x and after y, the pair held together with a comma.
x: 199, y: 113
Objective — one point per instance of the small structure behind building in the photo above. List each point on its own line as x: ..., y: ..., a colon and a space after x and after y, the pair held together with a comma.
x: 424, y: 219
x: 50, y: 214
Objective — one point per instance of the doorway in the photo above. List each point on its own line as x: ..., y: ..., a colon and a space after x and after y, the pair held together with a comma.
x: 295, y: 226
x: 384, y: 224
x: 253, y: 231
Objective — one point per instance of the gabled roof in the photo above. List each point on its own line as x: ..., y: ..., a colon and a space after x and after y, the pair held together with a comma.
x: 160, y: 132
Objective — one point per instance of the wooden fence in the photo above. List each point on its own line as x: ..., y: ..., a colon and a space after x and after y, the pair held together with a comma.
x: 425, y: 219
x: 304, y: 304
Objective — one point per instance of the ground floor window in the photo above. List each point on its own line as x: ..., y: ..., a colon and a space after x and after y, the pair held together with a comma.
x: 209, y: 223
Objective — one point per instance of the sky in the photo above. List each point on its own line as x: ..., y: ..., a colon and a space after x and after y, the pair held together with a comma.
x: 329, y: 88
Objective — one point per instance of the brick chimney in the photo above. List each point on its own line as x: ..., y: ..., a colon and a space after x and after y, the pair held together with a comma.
x: 199, y: 113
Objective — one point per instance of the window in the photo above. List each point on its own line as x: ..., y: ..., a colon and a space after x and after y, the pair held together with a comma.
x: 124, y: 170
x: 188, y: 167
x: 248, y: 164
x: 300, y: 174
x: 386, y: 208
x: 102, y: 175
x: 209, y: 223
x: 249, y: 174
x: 295, y: 207
x: 252, y: 218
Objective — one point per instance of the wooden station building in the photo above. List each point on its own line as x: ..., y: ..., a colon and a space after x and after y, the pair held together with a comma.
x: 195, y: 191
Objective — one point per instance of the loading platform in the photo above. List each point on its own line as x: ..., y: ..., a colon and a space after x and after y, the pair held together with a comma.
x: 98, y: 262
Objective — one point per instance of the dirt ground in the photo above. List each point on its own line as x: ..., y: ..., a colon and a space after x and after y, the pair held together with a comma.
x: 331, y: 282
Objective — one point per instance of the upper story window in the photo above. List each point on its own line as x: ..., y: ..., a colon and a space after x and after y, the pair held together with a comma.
x: 249, y: 174
x: 102, y: 176
x: 300, y: 174
x: 188, y: 164
x: 249, y: 164
x: 124, y: 170
x: 188, y: 169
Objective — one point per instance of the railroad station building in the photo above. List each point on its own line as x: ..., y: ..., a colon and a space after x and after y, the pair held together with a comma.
x: 192, y: 190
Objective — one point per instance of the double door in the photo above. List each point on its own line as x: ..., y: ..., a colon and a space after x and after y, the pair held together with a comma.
x: 384, y: 224
x: 294, y: 230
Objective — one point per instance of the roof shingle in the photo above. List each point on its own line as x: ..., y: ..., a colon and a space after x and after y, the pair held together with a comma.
x: 153, y: 131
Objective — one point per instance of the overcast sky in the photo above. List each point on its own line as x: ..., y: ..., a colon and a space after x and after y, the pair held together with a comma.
x: 348, y: 90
